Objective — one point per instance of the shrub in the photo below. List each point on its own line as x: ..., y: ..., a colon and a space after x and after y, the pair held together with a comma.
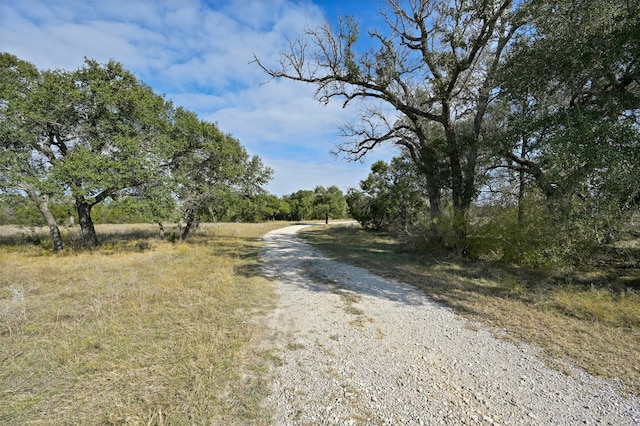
x: 13, y: 311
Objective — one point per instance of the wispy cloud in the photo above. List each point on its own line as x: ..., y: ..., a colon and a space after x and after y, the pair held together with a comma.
x: 199, y: 55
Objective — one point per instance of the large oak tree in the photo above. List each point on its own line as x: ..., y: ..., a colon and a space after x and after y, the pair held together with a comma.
x: 23, y: 168
x: 571, y: 107
x: 434, y: 63
x: 97, y: 134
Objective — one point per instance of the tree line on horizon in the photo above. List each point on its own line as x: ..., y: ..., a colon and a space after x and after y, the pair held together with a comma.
x: 318, y: 204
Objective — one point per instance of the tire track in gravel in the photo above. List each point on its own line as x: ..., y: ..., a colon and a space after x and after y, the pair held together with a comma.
x: 358, y: 349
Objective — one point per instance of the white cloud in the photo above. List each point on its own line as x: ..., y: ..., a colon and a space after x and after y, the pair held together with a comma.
x: 278, y: 111
x: 199, y: 53
x: 293, y: 175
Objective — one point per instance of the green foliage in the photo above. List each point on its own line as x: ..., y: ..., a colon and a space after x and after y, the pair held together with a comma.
x: 20, y: 210
x: 252, y: 209
x: 277, y: 208
x: 392, y: 197
x: 553, y: 234
x: 132, y: 209
x: 588, y: 51
x: 574, y: 95
x: 496, y: 236
x: 301, y: 205
x: 212, y: 172
x: 359, y: 206
x: 23, y: 167
x: 101, y: 136
x: 259, y: 208
x: 320, y: 204
x: 329, y: 203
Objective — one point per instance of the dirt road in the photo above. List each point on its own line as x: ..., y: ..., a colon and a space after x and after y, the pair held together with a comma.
x: 357, y: 349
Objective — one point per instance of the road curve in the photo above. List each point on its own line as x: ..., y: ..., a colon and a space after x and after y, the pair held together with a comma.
x: 358, y: 349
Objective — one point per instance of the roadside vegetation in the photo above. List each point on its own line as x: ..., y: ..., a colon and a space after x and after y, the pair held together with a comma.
x: 137, y: 331
x: 587, y: 316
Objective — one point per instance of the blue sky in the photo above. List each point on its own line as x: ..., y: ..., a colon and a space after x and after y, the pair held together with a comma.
x: 198, y: 54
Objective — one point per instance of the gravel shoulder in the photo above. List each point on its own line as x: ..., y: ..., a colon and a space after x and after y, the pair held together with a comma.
x: 359, y: 349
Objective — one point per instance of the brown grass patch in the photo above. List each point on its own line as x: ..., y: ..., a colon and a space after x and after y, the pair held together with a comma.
x: 138, y: 331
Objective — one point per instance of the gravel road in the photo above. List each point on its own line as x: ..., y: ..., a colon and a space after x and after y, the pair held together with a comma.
x: 357, y: 349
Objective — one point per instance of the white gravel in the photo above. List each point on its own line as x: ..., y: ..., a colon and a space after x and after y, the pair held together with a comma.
x: 357, y: 349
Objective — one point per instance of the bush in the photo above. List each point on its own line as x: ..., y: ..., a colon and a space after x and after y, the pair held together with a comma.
x: 560, y: 235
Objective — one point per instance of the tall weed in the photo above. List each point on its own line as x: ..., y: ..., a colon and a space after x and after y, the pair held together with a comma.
x: 13, y: 309
x: 542, y: 239
x: 597, y: 305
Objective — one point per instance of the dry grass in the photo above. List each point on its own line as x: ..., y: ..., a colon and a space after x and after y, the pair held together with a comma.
x: 138, y: 331
x: 591, y: 320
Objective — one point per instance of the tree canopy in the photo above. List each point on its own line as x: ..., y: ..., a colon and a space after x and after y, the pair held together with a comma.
x: 435, y: 62
x: 98, y: 134
x: 479, y: 93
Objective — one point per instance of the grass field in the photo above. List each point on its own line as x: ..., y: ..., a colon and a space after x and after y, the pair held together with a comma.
x: 147, y: 332
x: 138, y: 331
x: 589, y: 318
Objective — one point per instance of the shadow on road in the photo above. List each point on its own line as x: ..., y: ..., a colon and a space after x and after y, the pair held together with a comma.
x: 290, y: 259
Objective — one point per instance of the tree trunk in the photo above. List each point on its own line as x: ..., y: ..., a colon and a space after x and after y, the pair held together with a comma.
x: 433, y: 185
x: 460, y: 206
x: 434, y: 201
x: 427, y: 163
x: 189, y: 219
x: 87, y: 230
x: 520, y: 198
x: 521, y: 184
x: 43, y: 206
x: 326, y: 220
x: 56, y: 237
x: 161, y: 226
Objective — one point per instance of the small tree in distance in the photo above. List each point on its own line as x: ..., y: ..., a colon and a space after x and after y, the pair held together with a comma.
x: 329, y: 202
x: 392, y: 197
x: 210, y: 168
